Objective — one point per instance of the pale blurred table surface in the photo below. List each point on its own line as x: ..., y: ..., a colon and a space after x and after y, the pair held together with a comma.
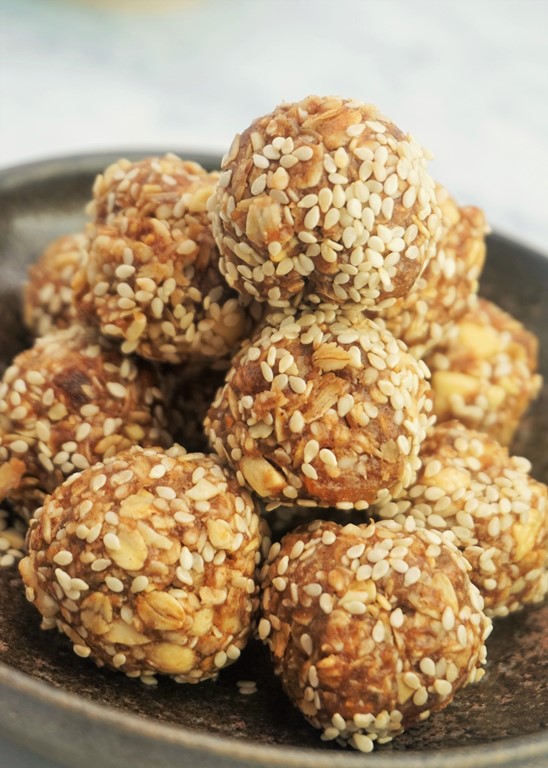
x: 468, y: 79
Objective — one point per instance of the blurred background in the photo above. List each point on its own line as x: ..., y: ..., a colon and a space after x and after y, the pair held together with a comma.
x: 468, y: 79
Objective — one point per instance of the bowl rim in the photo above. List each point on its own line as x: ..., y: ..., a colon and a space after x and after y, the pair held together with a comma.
x: 510, y: 751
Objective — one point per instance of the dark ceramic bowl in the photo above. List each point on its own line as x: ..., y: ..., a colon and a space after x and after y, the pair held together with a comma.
x: 64, y: 707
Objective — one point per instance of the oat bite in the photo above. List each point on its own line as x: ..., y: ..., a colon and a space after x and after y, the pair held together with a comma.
x: 151, y: 278
x: 448, y: 287
x: 69, y: 401
x: 147, y: 563
x: 485, y: 375
x: 484, y: 501
x: 371, y: 627
x: 325, y: 200
x: 320, y: 412
x: 47, y: 294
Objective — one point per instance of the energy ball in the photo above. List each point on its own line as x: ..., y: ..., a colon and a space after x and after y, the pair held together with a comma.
x: 448, y: 287
x: 47, y: 295
x: 484, y: 375
x: 151, y: 279
x: 470, y: 490
x: 147, y: 562
x: 371, y: 627
x: 321, y: 412
x: 66, y: 403
x: 325, y: 200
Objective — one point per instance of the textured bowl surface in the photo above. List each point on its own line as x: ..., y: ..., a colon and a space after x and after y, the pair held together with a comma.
x: 64, y: 707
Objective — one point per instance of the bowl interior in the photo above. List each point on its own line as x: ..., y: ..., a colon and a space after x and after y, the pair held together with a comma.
x: 40, y: 202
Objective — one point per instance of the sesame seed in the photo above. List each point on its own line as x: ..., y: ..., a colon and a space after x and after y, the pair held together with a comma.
x: 111, y: 541
x: 397, y: 618
x: 328, y: 457
x: 313, y: 676
x: 443, y: 687
x: 311, y: 450
x: 412, y: 576
x: 380, y: 570
x: 98, y: 482
x: 313, y: 590
x: 378, y: 632
x: 117, y: 390
x: 326, y: 602
x: 362, y: 742
x: 81, y: 650
x: 297, y: 384
x: 448, y: 619
x: 427, y: 666
x: 63, y: 557
x: 114, y: 584
x: 303, y: 153
x: 420, y: 697
x: 412, y: 680
x: 19, y: 446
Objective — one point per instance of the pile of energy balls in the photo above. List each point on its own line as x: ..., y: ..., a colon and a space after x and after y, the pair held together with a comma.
x: 308, y: 318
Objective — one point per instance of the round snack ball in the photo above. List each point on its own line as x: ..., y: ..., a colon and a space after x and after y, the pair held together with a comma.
x: 189, y: 391
x: 476, y: 495
x: 321, y: 412
x: 151, y: 278
x: 484, y: 375
x: 371, y: 627
x: 47, y: 295
x: 448, y: 287
x: 327, y: 200
x: 68, y: 402
x: 147, y: 563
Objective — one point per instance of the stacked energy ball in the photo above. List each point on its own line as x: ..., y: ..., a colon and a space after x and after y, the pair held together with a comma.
x: 305, y: 316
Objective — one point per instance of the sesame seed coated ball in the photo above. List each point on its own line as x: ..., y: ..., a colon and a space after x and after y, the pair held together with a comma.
x: 371, y: 627
x: 151, y: 278
x: 448, y: 287
x: 484, y: 374
x: 147, y: 563
x: 67, y: 402
x: 47, y: 295
x: 321, y: 412
x: 328, y: 200
x: 476, y: 495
